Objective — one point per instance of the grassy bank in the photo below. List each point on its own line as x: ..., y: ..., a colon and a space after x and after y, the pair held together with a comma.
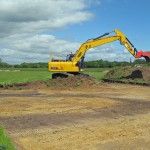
x: 129, y: 75
x: 5, y: 142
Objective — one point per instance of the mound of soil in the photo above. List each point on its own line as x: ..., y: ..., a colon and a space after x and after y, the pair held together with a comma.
x: 73, y: 81
x: 59, y: 83
x: 132, y: 73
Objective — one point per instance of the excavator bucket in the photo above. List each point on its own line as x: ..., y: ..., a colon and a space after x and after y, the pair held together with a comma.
x: 146, y: 55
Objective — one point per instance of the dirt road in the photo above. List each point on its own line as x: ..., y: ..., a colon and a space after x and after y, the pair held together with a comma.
x: 109, y: 117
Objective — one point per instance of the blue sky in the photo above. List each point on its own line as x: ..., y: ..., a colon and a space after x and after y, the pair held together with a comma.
x: 32, y: 30
x: 129, y: 16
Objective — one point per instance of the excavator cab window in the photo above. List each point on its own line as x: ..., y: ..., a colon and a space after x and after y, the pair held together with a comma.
x: 69, y: 57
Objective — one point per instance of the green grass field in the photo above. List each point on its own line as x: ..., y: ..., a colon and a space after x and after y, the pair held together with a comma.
x: 23, y: 76
x: 5, y: 143
x: 28, y: 75
x: 98, y: 73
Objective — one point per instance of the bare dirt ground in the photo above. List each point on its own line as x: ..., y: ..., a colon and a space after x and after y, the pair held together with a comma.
x: 102, y: 117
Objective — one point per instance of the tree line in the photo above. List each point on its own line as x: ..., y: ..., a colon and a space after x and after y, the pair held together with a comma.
x: 108, y: 64
x: 87, y: 64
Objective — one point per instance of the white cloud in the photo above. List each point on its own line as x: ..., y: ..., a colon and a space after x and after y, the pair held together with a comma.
x: 23, y: 22
x: 34, y: 48
x: 109, y: 52
x: 26, y: 16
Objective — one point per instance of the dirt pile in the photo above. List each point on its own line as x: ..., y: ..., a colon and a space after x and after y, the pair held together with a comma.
x: 59, y: 83
x: 73, y: 81
x: 118, y: 73
x: 145, y: 73
x: 141, y: 74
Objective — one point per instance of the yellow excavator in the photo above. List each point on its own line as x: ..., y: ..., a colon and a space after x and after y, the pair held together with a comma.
x: 74, y: 62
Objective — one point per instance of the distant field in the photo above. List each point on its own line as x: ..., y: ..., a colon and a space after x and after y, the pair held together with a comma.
x: 98, y: 73
x: 23, y: 76
x: 27, y: 75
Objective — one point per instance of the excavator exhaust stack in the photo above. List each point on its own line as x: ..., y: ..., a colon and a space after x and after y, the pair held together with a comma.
x: 146, y: 55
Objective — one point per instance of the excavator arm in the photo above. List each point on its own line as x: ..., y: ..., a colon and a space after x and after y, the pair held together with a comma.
x: 103, y: 40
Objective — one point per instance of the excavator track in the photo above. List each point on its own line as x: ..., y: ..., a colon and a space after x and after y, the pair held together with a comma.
x: 59, y: 75
x: 63, y: 75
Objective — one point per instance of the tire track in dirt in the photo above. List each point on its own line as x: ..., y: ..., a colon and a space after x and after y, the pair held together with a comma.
x: 128, y: 107
x: 81, y: 119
